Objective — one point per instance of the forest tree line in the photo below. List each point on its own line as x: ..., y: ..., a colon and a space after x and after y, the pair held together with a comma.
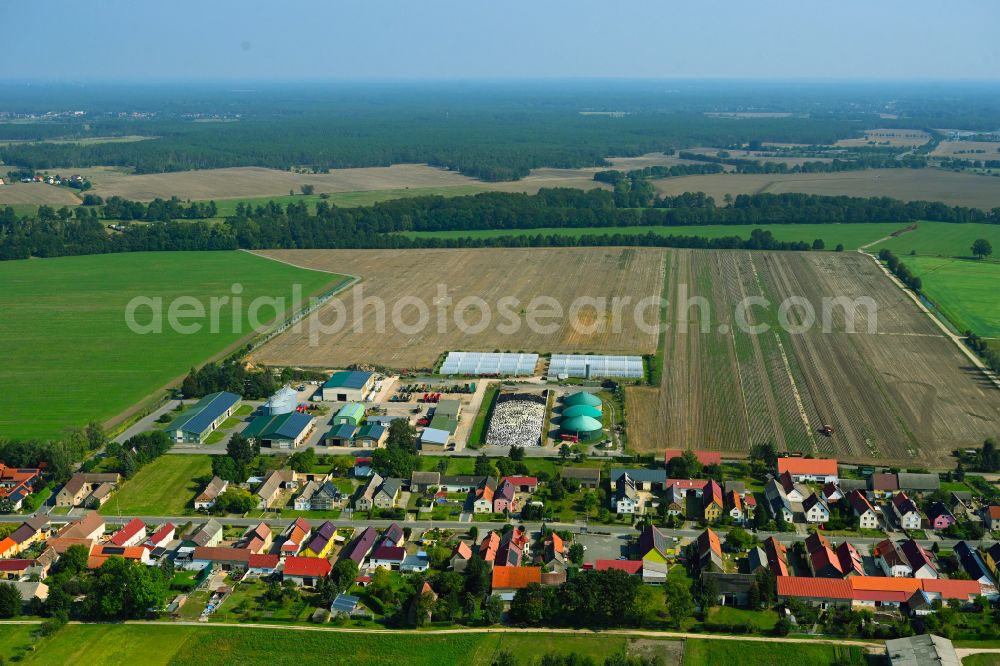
x: 294, y: 226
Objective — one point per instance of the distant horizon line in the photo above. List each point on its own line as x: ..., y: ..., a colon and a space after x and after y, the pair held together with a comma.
x: 44, y: 81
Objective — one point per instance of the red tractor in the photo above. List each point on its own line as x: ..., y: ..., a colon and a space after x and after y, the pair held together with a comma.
x: 826, y: 430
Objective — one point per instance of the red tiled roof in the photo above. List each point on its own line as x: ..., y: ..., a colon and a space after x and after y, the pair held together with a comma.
x: 15, y: 565
x: 264, y: 561
x: 221, y: 554
x: 515, y: 578
x: 813, y: 466
x: 161, y: 533
x: 522, y: 480
x: 463, y: 550
x: 817, y: 588
x: 307, y: 566
x: 686, y: 484
x: 628, y: 566
x: 952, y: 589
x: 709, y: 541
x: 704, y: 457
x: 994, y: 512
x: 133, y: 527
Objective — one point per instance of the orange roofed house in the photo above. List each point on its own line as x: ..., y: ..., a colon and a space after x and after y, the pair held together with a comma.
x: 508, y: 580
x: 809, y: 470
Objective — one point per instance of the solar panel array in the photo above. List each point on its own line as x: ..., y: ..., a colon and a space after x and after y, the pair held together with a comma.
x: 577, y: 365
x: 492, y: 363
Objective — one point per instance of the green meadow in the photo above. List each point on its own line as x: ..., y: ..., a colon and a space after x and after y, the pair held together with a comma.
x: 70, y: 357
x: 964, y: 290
x: 165, y: 487
x: 852, y: 236
x: 163, y: 644
x: 941, y: 239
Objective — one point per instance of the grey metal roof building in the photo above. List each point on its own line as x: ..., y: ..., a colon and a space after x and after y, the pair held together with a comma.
x: 205, y: 416
x: 586, y: 365
x: 923, y: 650
x: 492, y: 363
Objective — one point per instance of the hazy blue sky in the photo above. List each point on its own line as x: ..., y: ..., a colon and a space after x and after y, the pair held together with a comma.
x: 443, y: 39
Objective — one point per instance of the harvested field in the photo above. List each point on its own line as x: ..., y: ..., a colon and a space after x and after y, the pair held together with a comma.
x: 37, y: 194
x: 257, y: 182
x: 901, y: 393
x: 969, y: 150
x: 491, y: 274
x: 889, y: 137
x: 958, y: 189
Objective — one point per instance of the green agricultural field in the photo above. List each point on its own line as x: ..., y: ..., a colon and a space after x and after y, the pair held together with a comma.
x: 165, y: 487
x: 851, y: 235
x: 83, y: 645
x: 69, y: 356
x: 941, y: 239
x: 964, y: 290
x: 702, y: 652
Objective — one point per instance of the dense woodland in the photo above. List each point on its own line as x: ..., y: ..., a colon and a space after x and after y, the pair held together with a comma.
x: 295, y: 227
x: 488, y: 131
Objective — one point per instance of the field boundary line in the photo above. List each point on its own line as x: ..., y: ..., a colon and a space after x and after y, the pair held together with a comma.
x: 969, y: 354
x: 644, y: 633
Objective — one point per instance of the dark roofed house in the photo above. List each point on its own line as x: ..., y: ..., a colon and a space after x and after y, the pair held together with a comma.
x: 358, y: 549
x: 939, y: 517
x: 321, y: 541
x: 589, y: 477
x: 422, y: 481
x: 883, y: 485
x: 918, y: 483
x: 974, y: 565
x: 644, y: 479
x: 851, y: 562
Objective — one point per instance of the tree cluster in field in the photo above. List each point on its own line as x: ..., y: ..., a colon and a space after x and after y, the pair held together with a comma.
x: 591, y: 599
x: 230, y: 375
x: 861, y: 161
x: 399, y: 457
x: 118, y: 590
x: 58, y: 457
x: 138, y: 451
x: 901, y: 270
x: 240, y: 462
x: 990, y: 355
x: 293, y: 226
x: 157, y: 210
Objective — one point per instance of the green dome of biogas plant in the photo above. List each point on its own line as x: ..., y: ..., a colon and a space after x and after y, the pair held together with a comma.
x: 580, y: 425
x: 582, y: 398
x: 582, y: 410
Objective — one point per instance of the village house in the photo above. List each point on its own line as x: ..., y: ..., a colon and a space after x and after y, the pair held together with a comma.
x: 655, y: 549
x: 320, y: 542
x: 83, y: 532
x: 358, y: 550
x: 974, y: 565
x: 587, y: 477
x: 87, y: 489
x: 815, y: 509
x: 270, y: 490
x: 365, y: 501
x: 133, y: 534
x: 295, y: 536
x: 507, y: 580
x: 863, y: 510
x: 710, y: 552
x: 906, y: 512
x: 208, y: 535
x: 626, y: 498
x: 16, y: 483
x: 883, y: 485
x: 206, y: 500
x: 939, y: 517
x: 257, y: 539
x: 161, y: 537
x: 305, y: 571
x: 991, y: 517
x: 712, y: 506
x: 423, y: 481
x: 891, y: 560
x: 778, y: 502
x: 460, y: 556
x: 100, y: 553
x: 523, y: 484
x: 809, y: 470
x: 777, y: 556
x: 482, y: 496
x: 851, y: 562
x: 823, y: 562
x: 919, y: 560
x: 387, y: 494
x: 734, y: 507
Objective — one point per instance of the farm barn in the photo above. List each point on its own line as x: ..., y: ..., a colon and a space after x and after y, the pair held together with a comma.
x: 348, y: 386
x: 196, y: 423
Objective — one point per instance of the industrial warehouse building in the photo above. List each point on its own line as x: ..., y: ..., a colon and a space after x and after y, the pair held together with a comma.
x: 493, y: 363
x: 348, y: 386
x: 198, y: 422
x: 587, y: 366
x: 351, y: 414
x: 282, y: 402
x: 284, y: 431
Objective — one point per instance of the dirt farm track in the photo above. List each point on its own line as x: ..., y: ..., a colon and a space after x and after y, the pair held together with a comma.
x: 895, y: 392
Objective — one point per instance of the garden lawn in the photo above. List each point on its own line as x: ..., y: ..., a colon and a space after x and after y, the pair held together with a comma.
x: 165, y: 487
x: 760, y: 620
x: 706, y: 652
x: 69, y: 356
x: 851, y: 236
x: 964, y: 290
